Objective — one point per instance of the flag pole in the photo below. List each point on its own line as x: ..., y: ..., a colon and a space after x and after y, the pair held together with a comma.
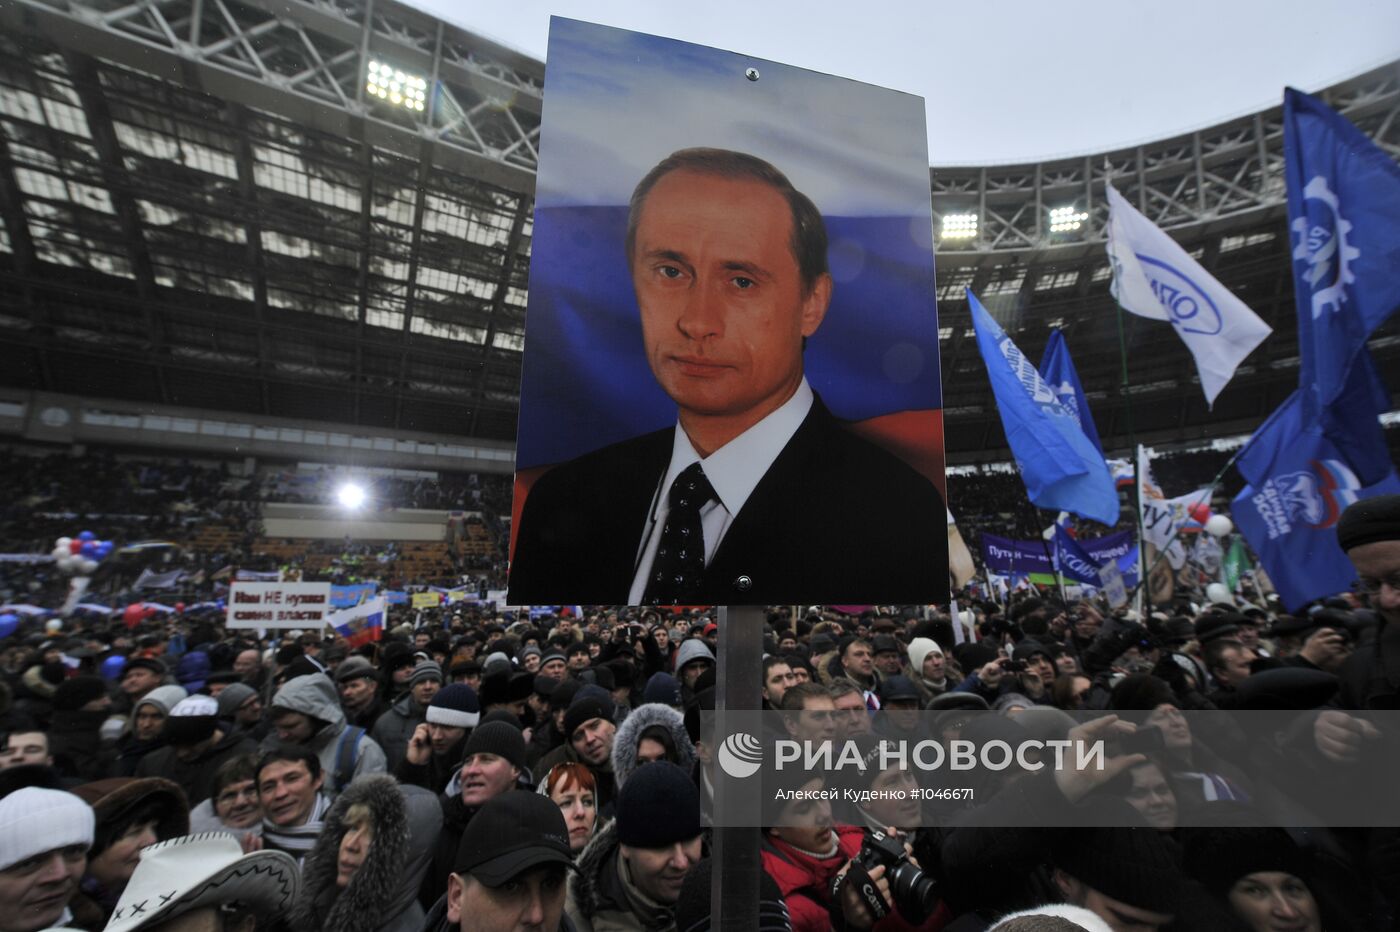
x: 1137, y: 465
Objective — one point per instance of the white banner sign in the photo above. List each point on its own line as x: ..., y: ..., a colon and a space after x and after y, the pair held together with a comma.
x: 278, y: 605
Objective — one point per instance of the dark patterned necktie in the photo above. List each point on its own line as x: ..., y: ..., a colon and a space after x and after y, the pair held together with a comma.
x: 679, y: 566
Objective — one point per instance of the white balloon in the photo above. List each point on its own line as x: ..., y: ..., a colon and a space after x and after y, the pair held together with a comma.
x: 1218, y: 592
x: 1219, y: 525
x: 64, y: 542
x: 60, y: 552
x: 87, y: 566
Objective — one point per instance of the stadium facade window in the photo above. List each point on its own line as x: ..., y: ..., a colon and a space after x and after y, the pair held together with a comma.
x: 151, y: 143
x: 66, y: 117
x: 1231, y: 243
x: 21, y: 105
x: 378, y: 317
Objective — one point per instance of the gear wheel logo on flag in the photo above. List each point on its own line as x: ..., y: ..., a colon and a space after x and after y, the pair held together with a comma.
x: 1321, y: 241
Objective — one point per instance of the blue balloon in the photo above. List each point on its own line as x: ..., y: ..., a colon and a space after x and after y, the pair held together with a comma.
x: 86, y: 535
x: 88, y: 548
x: 104, y: 549
x: 112, y: 667
x: 9, y: 623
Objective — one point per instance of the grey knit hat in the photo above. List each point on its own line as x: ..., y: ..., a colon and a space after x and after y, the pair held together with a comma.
x: 232, y: 696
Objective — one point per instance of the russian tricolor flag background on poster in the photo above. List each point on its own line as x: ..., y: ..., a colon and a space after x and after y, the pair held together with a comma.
x: 362, y: 623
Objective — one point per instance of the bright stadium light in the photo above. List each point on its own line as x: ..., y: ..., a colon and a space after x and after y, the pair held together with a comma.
x: 350, y: 496
x: 396, y: 87
x: 1066, y: 219
x: 959, y: 226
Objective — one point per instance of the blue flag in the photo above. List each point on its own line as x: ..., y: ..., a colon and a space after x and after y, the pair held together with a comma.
x: 1072, y: 561
x: 1344, y: 212
x: 1301, y: 477
x: 1060, y: 467
x: 1063, y: 379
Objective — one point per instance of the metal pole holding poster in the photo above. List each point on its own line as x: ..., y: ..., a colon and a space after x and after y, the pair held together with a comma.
x: 734, y: 851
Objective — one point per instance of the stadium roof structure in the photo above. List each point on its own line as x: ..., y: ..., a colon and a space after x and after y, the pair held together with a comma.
x: 1218, y: 191
x: 321, y: 210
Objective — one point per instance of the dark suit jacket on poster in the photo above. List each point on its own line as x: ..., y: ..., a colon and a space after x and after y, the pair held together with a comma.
x: 836, y: 520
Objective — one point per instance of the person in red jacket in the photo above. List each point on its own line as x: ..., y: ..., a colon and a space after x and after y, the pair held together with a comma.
x: 806, y: 852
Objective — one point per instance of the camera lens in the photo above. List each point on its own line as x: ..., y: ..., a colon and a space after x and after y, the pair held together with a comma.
x: 915, y: 894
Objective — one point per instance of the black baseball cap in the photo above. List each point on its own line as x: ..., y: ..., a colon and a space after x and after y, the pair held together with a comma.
x: 511, y: 834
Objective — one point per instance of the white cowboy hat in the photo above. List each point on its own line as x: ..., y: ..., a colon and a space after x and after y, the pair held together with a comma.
x: 209, y: 869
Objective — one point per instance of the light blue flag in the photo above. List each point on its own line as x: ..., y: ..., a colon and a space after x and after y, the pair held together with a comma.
x: 1344, y: 215
x: 1060, y: 467
x: 1059, y: 373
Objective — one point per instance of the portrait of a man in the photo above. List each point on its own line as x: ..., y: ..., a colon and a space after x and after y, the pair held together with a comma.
x: 751, y: 491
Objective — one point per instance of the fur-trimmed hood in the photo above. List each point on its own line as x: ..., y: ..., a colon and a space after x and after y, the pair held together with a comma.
x: 383, y: 893
x: 624, y: 752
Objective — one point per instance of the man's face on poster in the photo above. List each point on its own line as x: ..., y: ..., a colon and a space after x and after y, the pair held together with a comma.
x: 723, y: 306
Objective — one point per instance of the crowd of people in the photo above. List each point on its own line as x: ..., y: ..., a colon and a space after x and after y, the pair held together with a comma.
x: 554, y: 771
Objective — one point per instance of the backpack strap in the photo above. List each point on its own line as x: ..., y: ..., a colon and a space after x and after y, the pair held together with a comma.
x: 347, y: 755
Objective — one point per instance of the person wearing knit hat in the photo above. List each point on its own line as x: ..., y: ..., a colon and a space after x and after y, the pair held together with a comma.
x: 437, y: 744
x: 530, y: 656
x: 394, y: 729
x: 45, y: 835
x: 241, y: 709
x: 663, y: 688
x: 131, y: 814
x: 198, y: 746
x: 493, y: 760
x: 1122, y: 875
x: 553, y: 662
x: 647, y: 850
x: 928, y: 668
x: 588, y: 725
x: 231, y: 697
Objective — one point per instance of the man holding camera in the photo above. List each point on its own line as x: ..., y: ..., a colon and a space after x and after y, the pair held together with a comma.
x: 840, y: 876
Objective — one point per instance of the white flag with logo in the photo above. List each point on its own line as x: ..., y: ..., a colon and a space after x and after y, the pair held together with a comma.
x: 1154, y: 277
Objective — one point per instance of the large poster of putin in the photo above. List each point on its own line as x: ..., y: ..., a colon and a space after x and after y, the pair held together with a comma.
x: 730, y: 389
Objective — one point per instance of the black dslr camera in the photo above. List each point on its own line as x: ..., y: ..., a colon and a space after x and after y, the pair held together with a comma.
x: 915, y: 894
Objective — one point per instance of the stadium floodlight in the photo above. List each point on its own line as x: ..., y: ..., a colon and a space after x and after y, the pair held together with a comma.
x: 959, y: 226
x: 350, y: 495
x: 1066, y: 219
x: 395, y: 86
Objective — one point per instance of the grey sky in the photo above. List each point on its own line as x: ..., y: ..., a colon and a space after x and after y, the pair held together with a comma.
x: 1016, y: 81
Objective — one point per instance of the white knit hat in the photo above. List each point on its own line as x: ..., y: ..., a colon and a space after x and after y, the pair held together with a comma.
x: 1088, y: 921
x: 919, y: 649
x: 34, y: 820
